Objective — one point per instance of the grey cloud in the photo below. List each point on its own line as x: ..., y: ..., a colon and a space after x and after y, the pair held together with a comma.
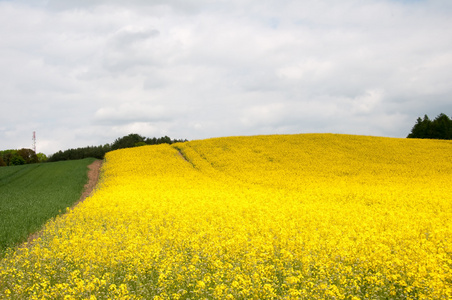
x: 131, y: 48
x: 129, y: 37
x: 132, y: 112
x: 184, y: 6
x: 198, y: 69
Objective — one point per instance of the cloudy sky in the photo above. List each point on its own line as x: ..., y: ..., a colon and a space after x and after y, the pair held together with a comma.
x: 85, y: 72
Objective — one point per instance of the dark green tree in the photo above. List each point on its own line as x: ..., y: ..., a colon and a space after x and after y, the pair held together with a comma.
x: 439, y: 128
x: 28, y: 155
x: 420, y: 129
x: 8, y: 156
x: 139, y: 144
x: 127, y: 141
x: 163, y: 140
x: 17, y: 161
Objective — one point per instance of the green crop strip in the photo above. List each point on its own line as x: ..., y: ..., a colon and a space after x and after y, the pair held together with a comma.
x: 32, y: 194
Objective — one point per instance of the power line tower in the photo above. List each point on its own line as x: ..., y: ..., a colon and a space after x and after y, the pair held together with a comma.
x: 34, y: 141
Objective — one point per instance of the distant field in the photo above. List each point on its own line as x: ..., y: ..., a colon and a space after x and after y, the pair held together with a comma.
x: 310, y: 216
x: 32, y: 194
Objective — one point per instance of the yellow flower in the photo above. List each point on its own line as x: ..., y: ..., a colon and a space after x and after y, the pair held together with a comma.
x: 308, y: 216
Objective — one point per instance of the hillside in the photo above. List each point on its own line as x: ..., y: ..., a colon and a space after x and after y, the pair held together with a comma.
x: 311, y: 157
x: 32, y: 194
x: 311, y: 216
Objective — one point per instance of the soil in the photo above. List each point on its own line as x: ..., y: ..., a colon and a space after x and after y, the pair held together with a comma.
x: 93, y: 177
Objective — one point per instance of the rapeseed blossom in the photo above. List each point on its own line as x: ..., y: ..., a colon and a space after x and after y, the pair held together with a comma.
x: 312, y: 216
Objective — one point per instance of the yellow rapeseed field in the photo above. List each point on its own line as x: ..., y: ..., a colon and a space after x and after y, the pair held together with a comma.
x: 311, y: 216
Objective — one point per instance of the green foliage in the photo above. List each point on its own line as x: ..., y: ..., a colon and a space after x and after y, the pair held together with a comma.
x: 17, y: 161
x: 32, y: 194
x: 17, y: 157
x: 7, y: 156
x: 163, y: 140
x: 439, y: 128
x: 80, y: 153
x: 139, y: 144
x: 28, y: 155
x: 41, y: 157
x: 136, y: 140
x: 128, y: 141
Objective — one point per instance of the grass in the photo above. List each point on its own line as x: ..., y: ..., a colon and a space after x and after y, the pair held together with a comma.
x: 32, y: 194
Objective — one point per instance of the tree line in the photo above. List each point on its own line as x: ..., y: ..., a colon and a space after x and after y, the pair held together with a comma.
x: 28, y: 156
x: 128, y: 141
x: 439, y: 128
x: 22, y: 156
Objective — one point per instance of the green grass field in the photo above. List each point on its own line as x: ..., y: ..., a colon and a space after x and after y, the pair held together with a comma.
x: 32, y: 194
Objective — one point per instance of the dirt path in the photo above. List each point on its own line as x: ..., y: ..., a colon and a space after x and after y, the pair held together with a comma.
x: 93, y: 177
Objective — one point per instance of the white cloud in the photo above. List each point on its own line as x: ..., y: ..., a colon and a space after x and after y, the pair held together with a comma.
x: 130, y: 112
x: 87, y: 72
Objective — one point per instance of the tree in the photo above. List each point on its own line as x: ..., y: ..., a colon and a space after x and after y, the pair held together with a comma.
x: 8, y: 156
x: 439, y: 128
x: 163, y: 140
x: 420, y: 128
x: 139, y: 144
x: 17, y: 161
x: 127, y: 141
x: 28, y: 155
x: 41, y: 157
x: 19, y: 157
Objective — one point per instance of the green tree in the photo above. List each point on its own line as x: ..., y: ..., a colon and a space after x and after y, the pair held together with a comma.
x: 28, y: 155
x: 420, y: 129
x: 139, y: 144
x: 439, y: 128
x: 17, y: 160
x: 8, y: 156
x: 127, y: 141
x: 41, y: 157
x: 162, y: 140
